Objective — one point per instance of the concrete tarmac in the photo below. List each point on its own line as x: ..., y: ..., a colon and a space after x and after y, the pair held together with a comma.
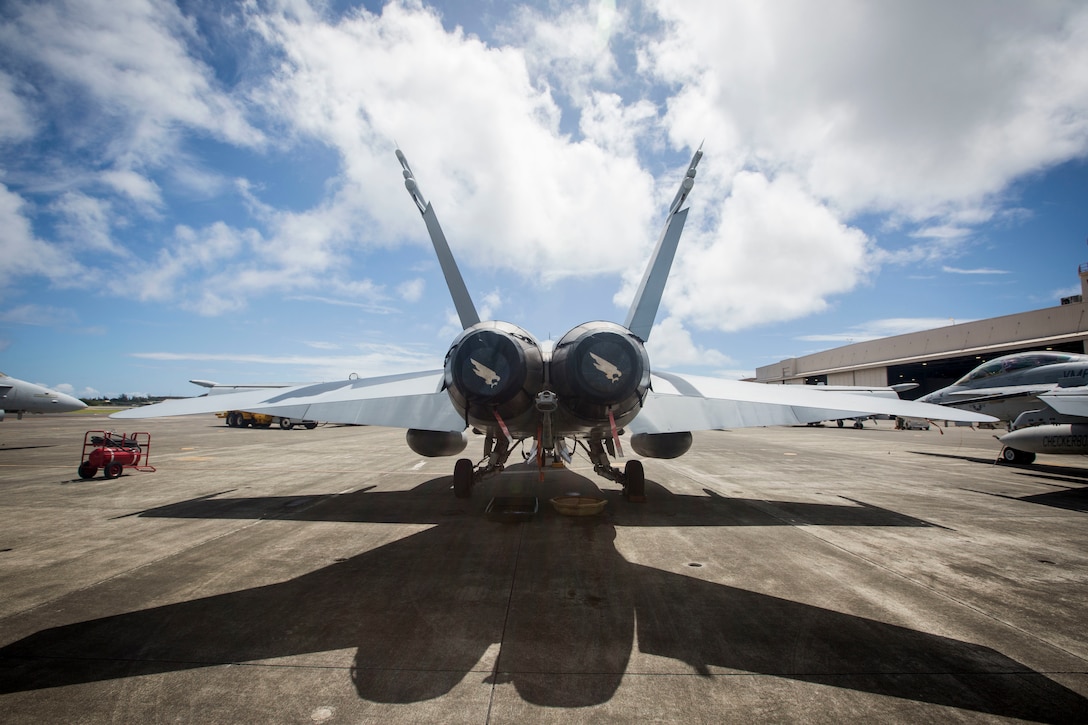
x: 330, y: 576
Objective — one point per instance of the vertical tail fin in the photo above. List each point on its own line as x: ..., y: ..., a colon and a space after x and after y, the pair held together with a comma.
x: 640, y: 318
x: 462, y: 301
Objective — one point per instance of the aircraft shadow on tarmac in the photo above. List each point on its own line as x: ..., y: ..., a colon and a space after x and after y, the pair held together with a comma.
x: 430, y: 503
x: 564, y: 605
x: 1064, y: 473
x: 1071, y: 499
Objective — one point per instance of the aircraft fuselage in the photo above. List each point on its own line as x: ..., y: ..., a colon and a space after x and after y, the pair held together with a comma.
x: 1009, y: 386
x: 19, y: 397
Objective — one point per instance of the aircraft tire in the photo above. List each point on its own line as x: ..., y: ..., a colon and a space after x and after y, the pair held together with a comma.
x: 86, y: 470
x: 462, y: 478
x: 838, y: 423
x: 309, y: 425
x: 634, y: 484
x: 286, y: 424
x: 113, y: 470
x: 1016, y: 456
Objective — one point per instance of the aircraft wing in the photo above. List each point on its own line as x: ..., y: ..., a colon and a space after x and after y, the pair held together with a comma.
x: 1068, y: 401
x: 690, y: 403
x: 676, y: 403
x: 411, y: 400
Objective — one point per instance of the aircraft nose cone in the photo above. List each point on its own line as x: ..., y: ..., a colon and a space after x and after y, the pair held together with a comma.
x: 66, y: 403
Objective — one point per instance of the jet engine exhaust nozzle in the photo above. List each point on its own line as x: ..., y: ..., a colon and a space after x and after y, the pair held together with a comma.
x: 494, y: 367
x: 599, y: 367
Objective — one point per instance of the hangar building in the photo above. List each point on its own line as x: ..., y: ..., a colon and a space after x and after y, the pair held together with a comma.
x: 939, y: 357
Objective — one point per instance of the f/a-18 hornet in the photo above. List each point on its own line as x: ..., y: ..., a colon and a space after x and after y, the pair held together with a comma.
x: 19, y: 397
x: 588, y: 391
x: 1042, y: 395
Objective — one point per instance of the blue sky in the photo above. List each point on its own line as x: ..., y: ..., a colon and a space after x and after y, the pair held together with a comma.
x: 208, y: 190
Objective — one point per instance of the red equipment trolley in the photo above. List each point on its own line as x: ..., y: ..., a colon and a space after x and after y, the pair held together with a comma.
x: 114, y: 452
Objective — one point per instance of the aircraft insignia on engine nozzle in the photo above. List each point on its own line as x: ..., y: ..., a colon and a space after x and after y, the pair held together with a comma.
x: 488, y: 375
x: 610, y: 371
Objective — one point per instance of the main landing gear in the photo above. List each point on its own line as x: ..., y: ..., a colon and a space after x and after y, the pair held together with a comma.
x: 497, y: 452
x: 465, y: 475
x: 632, y: 477
x: 463, y: 478
x: 1016, y: 457
x: 634, y: 482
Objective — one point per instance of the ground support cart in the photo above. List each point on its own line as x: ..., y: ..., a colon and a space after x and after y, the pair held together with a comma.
x: 114, y: 452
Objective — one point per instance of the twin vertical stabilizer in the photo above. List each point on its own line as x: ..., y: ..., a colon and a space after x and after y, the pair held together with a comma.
x: 462, y: 300
x: 640, y: 319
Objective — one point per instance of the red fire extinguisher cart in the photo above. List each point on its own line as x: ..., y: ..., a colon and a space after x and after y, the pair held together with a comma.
x: 114, y: 452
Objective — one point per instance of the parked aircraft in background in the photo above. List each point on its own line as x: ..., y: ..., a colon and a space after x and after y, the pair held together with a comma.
x: 587, y: 392
x: 1041, y: 395
x: 18, y: 396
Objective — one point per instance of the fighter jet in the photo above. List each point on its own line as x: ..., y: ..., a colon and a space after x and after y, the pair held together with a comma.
x: 591, y: 389
x: 19, y: 396
x: 1041, y: 395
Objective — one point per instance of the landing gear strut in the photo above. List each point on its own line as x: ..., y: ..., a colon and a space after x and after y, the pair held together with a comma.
x: 497, y: 451
x: 632, y: 478
x: 465, y: 475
